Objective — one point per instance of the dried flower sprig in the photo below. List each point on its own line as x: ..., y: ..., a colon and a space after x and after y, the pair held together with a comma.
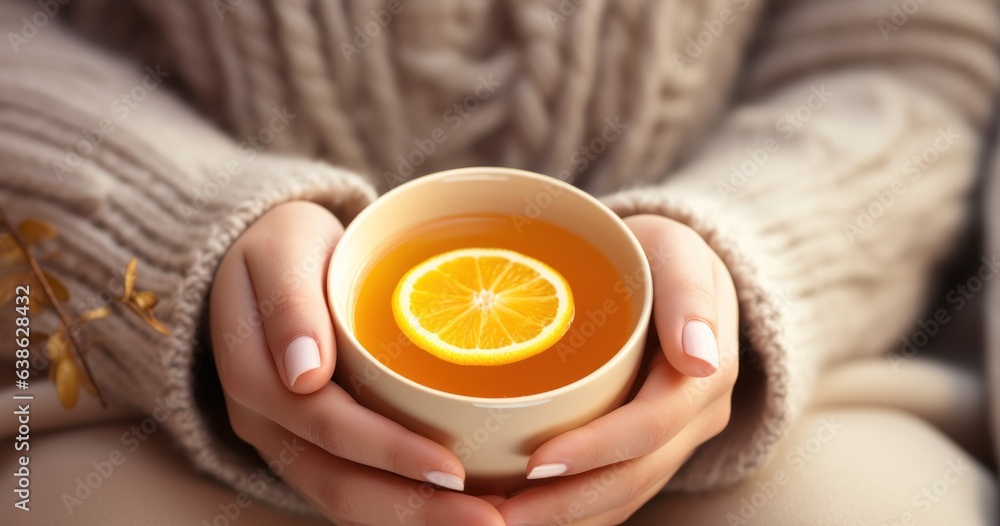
x: 68, y: 368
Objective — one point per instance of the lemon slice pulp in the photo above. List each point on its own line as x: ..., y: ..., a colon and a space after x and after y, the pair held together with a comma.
x: 483, y: 306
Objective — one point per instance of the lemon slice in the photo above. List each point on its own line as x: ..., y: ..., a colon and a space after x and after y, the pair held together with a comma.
x: 483, y: 306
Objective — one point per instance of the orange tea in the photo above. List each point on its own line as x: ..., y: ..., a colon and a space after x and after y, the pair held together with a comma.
x: 599, y: 328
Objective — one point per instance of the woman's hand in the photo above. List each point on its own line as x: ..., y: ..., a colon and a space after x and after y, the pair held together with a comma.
x: 275, y: 351
x: 615, y: 464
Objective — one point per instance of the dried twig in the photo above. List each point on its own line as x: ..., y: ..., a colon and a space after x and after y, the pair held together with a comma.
x: 68, y: 324
x: 60, y: 346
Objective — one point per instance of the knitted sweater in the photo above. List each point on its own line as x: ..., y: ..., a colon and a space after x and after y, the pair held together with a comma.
x: 825, y: 150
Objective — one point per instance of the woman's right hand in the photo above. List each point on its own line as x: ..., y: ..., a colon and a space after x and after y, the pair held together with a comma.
x: 275, y: 353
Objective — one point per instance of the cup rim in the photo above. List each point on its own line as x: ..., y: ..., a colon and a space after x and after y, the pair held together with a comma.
x: 642, y: 325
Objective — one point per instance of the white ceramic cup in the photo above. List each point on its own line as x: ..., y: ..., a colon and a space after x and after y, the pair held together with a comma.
x: 493, y: 437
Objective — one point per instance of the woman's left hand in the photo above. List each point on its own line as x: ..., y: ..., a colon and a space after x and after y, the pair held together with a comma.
x: 610, y: 467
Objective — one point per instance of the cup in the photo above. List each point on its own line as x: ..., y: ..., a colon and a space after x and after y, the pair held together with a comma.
x: 493, y: 437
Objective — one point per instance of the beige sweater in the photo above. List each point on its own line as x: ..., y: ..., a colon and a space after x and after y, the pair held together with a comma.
x: 828, y: 164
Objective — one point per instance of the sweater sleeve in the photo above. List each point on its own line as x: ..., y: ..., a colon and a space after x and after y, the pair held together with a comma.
x: 830, y: 193
x: 101, y: 148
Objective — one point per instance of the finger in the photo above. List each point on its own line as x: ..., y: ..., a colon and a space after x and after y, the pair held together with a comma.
x: 623, y: 513
x: 352, y: 493
x: 494, y: 500
x: 289, y: 278
x: 684, y: 302
x: 656, y: 415
x: 334, y: 421
x: 329, y: 418
x: 585, y: 495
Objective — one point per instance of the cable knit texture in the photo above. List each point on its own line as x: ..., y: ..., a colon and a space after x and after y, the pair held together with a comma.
x: 830, y: 173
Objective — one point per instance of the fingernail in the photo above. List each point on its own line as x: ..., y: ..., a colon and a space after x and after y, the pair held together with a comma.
x: 699, y: 342
x: 445, y: 480
x: 301, y: 355
x: 544, y: 471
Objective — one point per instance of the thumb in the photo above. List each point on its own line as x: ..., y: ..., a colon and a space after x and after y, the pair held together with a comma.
x: 684, y: 299
x: 287, y: 266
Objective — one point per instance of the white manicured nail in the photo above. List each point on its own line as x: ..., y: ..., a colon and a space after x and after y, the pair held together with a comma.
x: 445, y: 480
x: 699, y: 342
x: 301, y: 355
x: 545, y: 471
